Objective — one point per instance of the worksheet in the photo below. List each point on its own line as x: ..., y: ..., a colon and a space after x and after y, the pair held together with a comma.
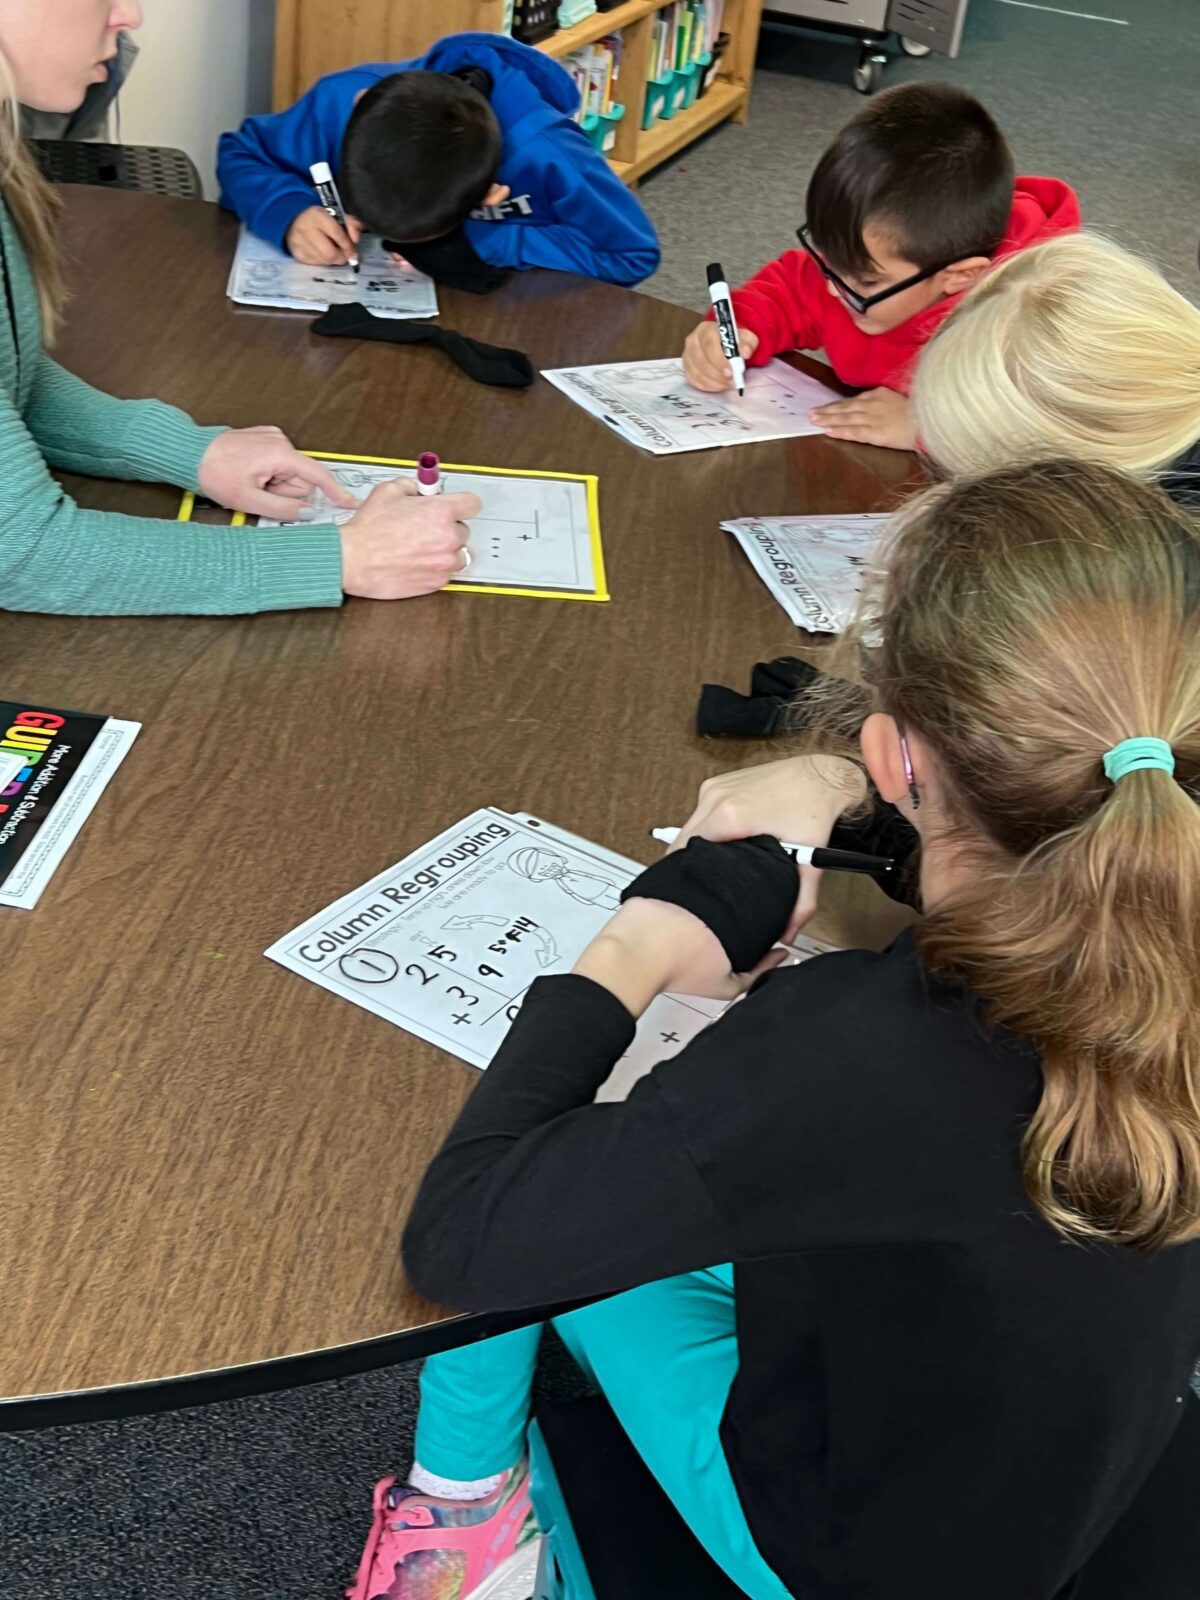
x: 446, y: 942
x: 538, y: 533
x: 264, y: 276
x: 814, y: 566
x: 652, y: 405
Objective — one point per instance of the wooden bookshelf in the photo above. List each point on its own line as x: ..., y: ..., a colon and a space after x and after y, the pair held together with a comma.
x: 598, y: 27
x: 665, y: 139
x: 314, y: 37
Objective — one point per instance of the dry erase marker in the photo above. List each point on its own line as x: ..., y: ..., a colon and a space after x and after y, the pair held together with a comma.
x: 718, y: 293
x: 429, y: 476
x: 810, y: 855
x: 331, y: 201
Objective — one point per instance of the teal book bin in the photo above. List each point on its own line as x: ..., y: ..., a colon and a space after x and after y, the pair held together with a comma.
x: 658, y: 98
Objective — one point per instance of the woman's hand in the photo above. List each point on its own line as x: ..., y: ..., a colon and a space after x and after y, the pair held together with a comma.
x: 797, y: 800
x: 705, y: 364
x: 260, y: 471
x: 401, y: 544
x: 649, y: 947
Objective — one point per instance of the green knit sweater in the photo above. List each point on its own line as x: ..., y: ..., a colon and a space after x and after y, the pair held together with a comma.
x: 55, y: 556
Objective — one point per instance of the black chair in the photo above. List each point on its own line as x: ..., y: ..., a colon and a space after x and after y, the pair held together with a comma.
x: 152, y: 168
x: 587, y: 1466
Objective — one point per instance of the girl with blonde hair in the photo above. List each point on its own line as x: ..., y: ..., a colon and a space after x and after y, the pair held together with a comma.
x: 56, y: 556
x: 1073, y: 348
x: 958, y: 1183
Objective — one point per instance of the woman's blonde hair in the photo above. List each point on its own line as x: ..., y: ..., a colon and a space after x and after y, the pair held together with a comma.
x: 1031, y: 620
x: 33, y: 205
x: 1074, y: 347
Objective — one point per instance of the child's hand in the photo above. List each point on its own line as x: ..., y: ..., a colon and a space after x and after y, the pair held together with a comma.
x: 880, y: 416
x: 649, y: 947
x: 317, y: 240
x: 798, y: 800
x: 704, y: 363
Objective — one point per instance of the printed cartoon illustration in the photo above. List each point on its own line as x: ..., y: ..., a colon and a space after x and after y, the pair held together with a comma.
x: 547, y: 866
x: 833, y: 533
x: 355, y: 477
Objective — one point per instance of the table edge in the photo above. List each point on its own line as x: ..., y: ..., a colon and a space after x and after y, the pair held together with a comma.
x: 148, y: 1397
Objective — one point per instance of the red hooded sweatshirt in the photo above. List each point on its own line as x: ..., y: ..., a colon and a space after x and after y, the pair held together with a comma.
x: 789, y: 306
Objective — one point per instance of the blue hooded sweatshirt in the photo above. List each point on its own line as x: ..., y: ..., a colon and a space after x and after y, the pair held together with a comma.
x: 566, y: 209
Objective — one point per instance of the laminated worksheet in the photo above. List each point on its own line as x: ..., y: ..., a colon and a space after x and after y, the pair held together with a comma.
x: 652, y: 405
x: 446, y: 943
x: 538, y: 533
x: 814, y: 566
x: 264, y: 276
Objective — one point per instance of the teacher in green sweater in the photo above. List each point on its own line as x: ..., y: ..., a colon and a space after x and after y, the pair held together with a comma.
x: 56, y: 556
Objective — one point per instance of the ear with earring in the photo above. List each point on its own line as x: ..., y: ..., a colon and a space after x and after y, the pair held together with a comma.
x: 914, y: 794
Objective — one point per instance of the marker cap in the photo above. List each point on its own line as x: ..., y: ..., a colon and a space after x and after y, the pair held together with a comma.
x: 716, y: 274
x: 320, y: 172
x: 427, y: 467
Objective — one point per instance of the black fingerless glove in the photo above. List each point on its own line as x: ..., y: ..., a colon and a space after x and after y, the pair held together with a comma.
x: 744, y: 891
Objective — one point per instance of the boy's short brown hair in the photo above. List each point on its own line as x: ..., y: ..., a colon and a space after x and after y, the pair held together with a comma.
x: 926, y: 163
x: 420, y: 152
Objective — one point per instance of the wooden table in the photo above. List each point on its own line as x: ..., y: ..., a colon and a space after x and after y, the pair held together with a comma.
x: 205, y: 1161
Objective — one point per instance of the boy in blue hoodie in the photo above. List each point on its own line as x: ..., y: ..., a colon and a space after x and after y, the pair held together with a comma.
x: 466, y: 153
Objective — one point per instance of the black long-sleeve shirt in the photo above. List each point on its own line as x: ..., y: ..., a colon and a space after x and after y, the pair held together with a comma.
x: 938, y: 1398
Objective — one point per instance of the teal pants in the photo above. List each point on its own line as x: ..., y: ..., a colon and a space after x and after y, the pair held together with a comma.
x: 664, y: 1356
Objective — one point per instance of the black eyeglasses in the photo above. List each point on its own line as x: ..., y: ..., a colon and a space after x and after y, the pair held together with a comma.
x: 861, y: 303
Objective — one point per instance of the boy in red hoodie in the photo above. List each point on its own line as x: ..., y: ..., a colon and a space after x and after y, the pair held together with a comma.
x: 907, y: 209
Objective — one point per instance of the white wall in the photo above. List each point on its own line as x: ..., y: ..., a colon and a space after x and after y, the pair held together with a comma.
x: 203, y: 66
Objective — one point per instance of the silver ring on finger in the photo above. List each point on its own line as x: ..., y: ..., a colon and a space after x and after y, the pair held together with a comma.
x: 466, y: 560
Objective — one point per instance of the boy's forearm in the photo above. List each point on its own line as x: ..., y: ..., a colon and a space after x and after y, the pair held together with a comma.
x: 570, y: 249
x: 266, y: 195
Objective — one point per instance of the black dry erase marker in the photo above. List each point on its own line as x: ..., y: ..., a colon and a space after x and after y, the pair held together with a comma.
x: 331, y: 200
x: 718, y: 293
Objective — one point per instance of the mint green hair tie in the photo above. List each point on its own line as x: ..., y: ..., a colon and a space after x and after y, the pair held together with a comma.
x: 1138, y: 755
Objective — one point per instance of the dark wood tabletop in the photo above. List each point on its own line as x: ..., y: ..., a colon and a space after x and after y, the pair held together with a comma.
x: 205, y: 1162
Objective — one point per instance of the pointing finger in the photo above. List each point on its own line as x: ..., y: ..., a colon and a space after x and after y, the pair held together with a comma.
x: 262, y: 503
x: 318, y: 476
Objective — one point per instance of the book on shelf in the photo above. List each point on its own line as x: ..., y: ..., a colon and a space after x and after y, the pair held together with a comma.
x: 683, y: 34
x: 596, y: 70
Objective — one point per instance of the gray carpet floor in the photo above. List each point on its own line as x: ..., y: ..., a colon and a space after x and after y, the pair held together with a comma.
x: 268, y: 1499
x: 1114, y: 111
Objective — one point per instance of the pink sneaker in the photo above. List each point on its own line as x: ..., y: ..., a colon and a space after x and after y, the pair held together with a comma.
x: 423, y: 1548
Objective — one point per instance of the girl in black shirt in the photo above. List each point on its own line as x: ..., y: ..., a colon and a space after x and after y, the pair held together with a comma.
x: 958, y: 1183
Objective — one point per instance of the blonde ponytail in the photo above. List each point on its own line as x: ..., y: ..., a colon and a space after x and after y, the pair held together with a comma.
x: 34, y: 207
x: 1074, y: 348
x: 1032, y: 620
